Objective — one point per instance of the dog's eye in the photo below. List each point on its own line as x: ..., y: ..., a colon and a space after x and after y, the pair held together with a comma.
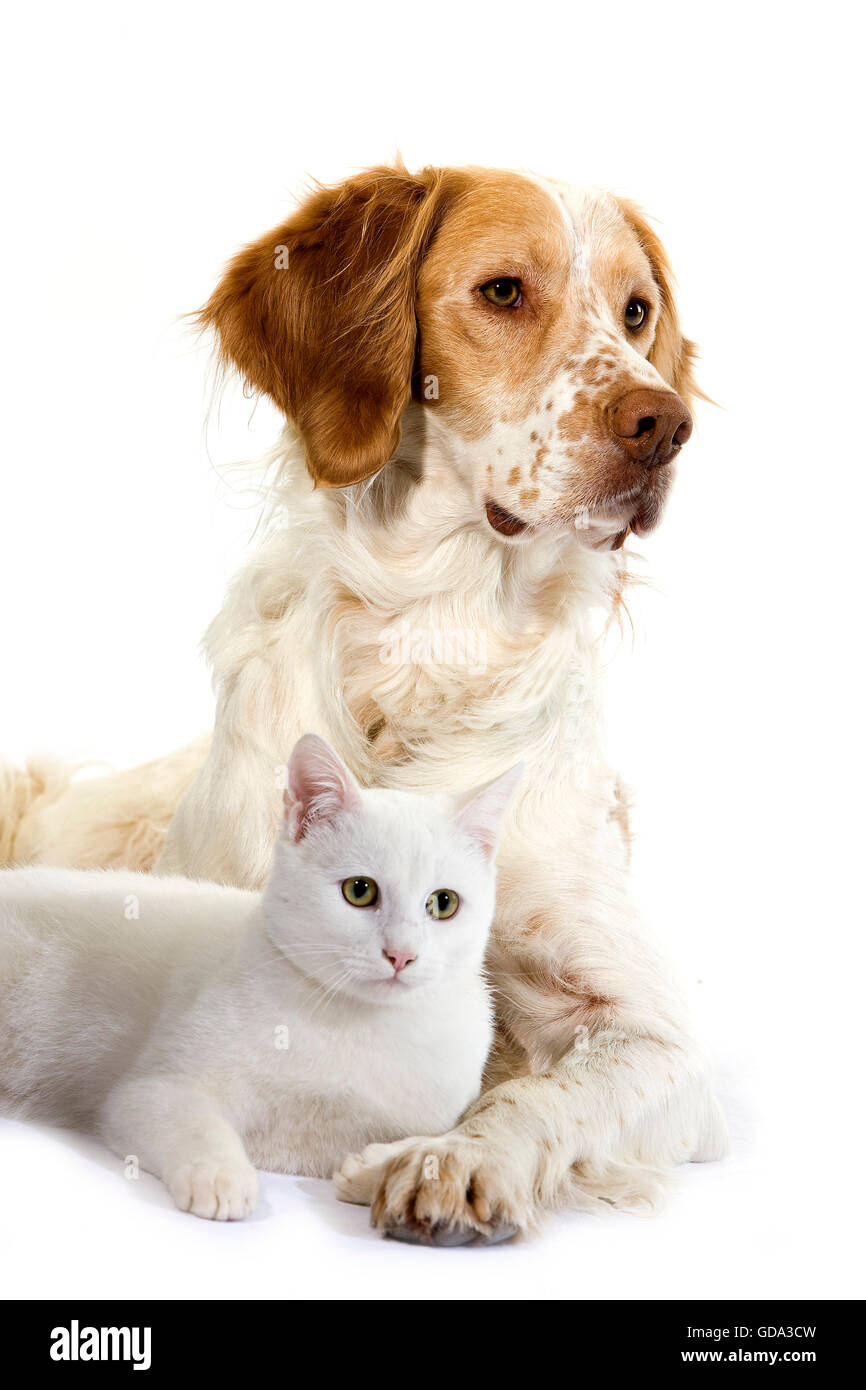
x: 443, y: 903
x: 360, y: 892
x: 505, y: 293
x: 636, y: 313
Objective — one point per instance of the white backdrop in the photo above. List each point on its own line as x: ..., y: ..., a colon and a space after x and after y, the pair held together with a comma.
x: 144, y: 145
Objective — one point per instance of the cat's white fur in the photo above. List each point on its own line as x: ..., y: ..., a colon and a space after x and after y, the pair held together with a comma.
x: 209, y: 1031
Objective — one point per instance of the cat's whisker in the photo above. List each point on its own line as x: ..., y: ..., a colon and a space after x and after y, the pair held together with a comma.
x: 331, y: 991
x: 266, y: 967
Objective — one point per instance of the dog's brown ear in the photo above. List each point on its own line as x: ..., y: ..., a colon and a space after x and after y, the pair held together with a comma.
x: 673, y: 355
x: 319, y: 314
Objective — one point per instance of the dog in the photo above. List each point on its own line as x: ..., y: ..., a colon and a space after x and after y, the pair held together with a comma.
x: 486, y: 389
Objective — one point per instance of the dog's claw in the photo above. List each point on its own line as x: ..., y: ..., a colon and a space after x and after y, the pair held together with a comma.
x: 498, y: 1234
x: 448, y: 1236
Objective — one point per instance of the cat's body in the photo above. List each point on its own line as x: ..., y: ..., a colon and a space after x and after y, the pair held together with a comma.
x: 195, y: 988
x: 207, y: 1031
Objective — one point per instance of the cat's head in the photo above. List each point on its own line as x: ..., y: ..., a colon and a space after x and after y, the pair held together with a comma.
x: 377, y: 893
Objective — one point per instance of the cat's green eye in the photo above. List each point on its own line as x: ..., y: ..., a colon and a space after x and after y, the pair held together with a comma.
x: 443, y: 903
x: 360, y: 892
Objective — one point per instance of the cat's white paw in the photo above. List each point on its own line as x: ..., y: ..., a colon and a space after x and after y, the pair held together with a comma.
x: 358, y: 1177
x: 218, y: 1191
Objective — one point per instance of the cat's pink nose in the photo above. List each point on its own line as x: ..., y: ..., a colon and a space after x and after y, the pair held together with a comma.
x: 399, y: 959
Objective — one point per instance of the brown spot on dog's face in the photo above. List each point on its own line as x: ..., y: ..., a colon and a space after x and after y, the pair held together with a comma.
x: 540, y: 455
x: 514, y: 476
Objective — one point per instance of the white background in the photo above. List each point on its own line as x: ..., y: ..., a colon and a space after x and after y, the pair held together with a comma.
x: 144, y: 145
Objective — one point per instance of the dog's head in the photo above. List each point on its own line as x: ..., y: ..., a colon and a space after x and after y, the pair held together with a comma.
x: 534, y: 322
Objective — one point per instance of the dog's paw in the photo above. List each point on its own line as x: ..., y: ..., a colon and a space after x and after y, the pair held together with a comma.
x: 451, y: 1191
x: 217, y: 1191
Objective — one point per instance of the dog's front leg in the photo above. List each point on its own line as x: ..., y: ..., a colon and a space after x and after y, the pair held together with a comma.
x: 225, y: 826
x: 606, y: 1122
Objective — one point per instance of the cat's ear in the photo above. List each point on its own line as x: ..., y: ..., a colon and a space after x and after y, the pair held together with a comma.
x: 319, y: 787
x: 481, y: 818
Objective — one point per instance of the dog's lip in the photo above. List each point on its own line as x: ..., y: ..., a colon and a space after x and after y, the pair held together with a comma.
x: 603, y: 527
x: 505, y: 523
x: 607, y: 524
x: 647, y: 515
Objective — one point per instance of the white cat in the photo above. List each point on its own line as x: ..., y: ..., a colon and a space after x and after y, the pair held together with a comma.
x: 206, y: 1031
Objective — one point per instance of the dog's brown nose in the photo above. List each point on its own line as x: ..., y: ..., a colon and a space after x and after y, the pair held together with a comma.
x: 651, y: 426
